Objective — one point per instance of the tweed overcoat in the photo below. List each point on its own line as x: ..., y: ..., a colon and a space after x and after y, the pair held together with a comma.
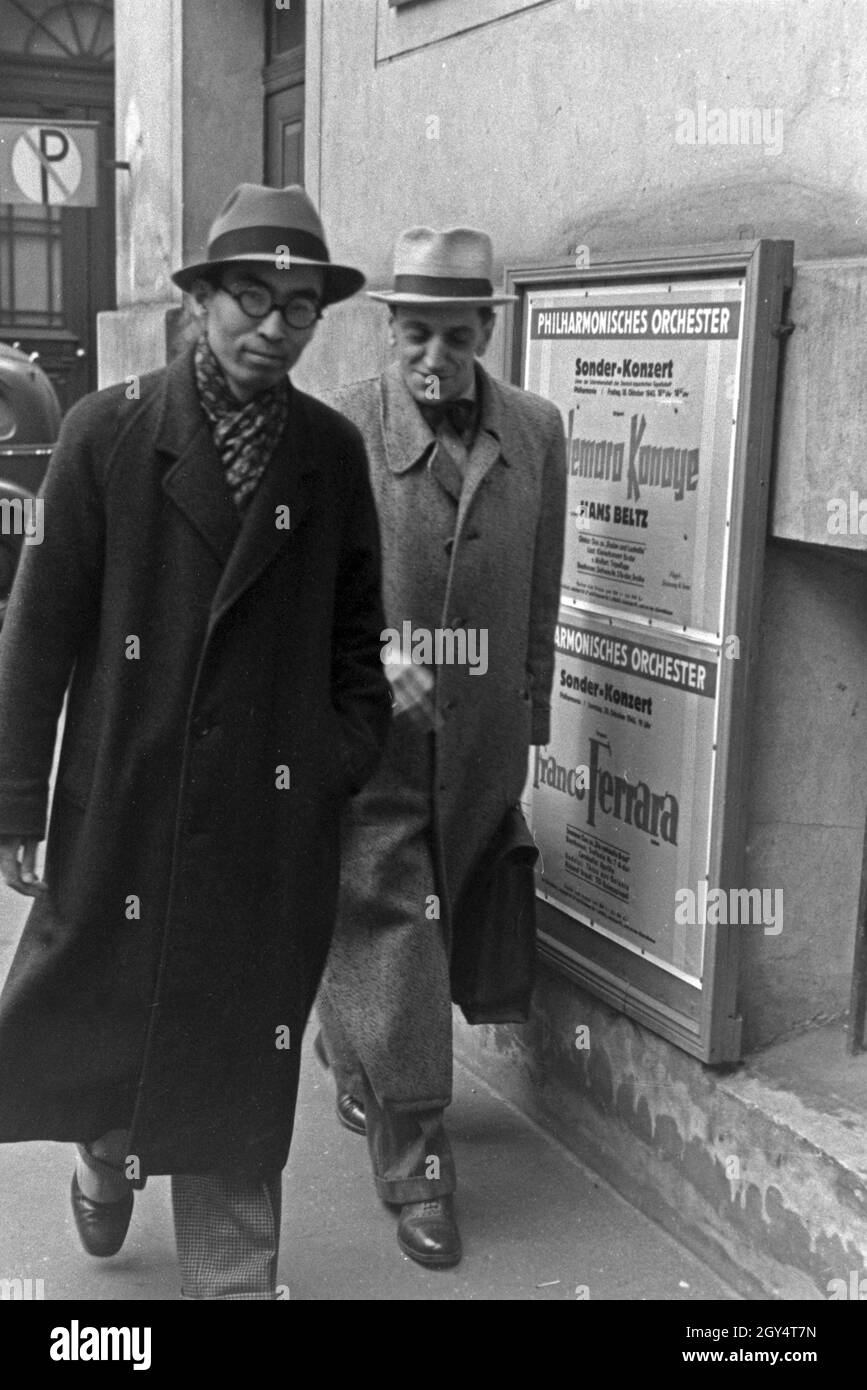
x: 225, y: 696
x: 482, y: 552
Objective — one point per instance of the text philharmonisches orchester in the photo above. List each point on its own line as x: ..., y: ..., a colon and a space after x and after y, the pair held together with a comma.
x: 678, y: 321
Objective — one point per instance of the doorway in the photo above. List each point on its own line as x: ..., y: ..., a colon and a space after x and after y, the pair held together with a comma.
x: 284, y: 93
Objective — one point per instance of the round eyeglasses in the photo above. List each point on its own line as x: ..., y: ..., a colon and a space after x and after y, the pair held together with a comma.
x: 257, y: 303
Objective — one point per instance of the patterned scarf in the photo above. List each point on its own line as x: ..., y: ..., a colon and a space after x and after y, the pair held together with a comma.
x: 245, y: 435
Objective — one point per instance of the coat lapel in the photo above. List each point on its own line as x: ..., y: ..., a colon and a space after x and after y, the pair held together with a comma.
x: 490, y: 445
x: 195, y: 481
x: 406, y: 433
x: 286, y: 483
x: 244, y: 545
x: 446, y: 471
x: 408, y: 437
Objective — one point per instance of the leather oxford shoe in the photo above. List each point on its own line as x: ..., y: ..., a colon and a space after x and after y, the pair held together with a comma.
x: 350, y: 1112
x: 102, y: 1226
x: 428, y: 1233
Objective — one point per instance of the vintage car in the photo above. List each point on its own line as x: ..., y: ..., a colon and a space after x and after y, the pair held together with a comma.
x: 29, y: 425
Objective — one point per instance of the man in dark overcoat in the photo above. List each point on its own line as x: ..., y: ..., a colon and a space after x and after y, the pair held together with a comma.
x: 469, y: 476
x: 207, y: 598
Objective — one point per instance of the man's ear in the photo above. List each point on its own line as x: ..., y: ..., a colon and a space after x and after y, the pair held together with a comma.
x: 392, y: 335
x: 487, y: 330
x: 202, y: 292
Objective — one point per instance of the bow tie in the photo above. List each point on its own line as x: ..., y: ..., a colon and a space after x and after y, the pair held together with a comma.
x: 461, y: 414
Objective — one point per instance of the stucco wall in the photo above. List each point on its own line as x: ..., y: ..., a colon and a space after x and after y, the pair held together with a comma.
x: 188, y: 102
x: 557, y: 125
x: 223, y: 55
x: 807, y: 788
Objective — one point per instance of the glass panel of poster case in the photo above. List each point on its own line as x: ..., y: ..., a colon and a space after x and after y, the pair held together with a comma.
x: 664, y: 370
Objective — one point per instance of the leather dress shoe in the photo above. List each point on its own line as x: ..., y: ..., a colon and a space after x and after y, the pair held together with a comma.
x: 428, y: 1233
x: 102, y: 1226
x: 350, y: 1112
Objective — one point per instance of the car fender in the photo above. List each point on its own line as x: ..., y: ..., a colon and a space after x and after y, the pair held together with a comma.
x: 11, y: 537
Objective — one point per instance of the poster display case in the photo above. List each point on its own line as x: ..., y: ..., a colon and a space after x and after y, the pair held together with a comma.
x: 664, y: 369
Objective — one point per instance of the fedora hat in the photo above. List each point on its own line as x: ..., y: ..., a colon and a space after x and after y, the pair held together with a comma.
x: 452, y: 267
x: 257, y: 223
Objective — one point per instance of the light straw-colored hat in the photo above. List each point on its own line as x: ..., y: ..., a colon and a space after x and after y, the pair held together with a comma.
x: 452, y: 267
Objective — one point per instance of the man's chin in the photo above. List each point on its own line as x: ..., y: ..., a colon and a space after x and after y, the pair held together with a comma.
x: 448, y: 391
x: 246, y: 384
x: 255, y: 375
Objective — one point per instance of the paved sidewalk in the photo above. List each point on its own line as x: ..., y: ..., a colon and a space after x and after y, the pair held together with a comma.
x: 535, y: 1224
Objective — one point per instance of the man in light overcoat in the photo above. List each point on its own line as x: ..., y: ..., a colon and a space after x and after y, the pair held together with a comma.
x: 469, y: 478
x: 207, y: 594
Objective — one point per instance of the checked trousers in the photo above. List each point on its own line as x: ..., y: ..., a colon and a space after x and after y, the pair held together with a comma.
x: 227, y: 1227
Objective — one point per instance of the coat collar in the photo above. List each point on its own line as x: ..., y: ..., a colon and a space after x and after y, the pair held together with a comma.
x: 246, y: 544
x: 195, y: 480
x: 288, y: 482
x: 408, y: 436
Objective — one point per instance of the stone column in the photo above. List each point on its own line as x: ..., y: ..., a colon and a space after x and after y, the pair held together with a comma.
x: 189, y: 116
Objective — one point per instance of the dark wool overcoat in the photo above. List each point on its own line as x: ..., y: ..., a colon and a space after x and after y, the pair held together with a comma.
x: 482, y: 551
x: 225, y: 696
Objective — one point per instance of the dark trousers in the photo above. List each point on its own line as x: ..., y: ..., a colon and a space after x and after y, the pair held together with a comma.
x: 409, y: 1149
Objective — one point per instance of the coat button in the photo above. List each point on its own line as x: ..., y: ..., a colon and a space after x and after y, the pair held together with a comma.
x: 449, y: 545
x: 200, y: 726
x: 458, y: 622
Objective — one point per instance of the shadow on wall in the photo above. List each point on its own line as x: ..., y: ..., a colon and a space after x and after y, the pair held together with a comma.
x: 824, y: 222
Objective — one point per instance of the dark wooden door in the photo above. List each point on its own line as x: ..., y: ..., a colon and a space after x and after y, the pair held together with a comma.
x: 284, y: 95
x: 284, y: 133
